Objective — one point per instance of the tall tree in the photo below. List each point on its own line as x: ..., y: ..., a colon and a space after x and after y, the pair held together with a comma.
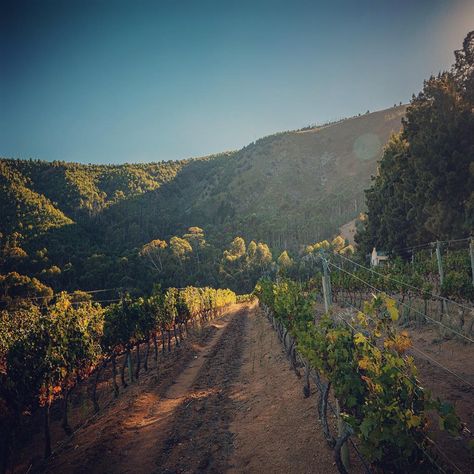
x: 424, y: 189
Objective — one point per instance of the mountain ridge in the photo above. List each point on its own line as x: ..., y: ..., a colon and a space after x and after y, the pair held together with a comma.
x: 288, y: 190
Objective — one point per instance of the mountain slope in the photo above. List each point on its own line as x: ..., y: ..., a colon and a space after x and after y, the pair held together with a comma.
x: 288, y: 190
x: 24, y: 210
x: 299, y: 187
x: 86, y: 190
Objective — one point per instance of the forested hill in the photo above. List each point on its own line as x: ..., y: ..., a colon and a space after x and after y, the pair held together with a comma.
x: 30, y: 188
x: 288, y: 190
x: 424, y: 190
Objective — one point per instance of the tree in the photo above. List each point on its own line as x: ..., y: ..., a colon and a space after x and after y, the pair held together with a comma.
x: 180, y: 248
x: 52, y: 275
x: 236, y: 250
x: 284, y: 262
x: 251, y: 250
x: 424, y: 189
x: 153, y: 251
x: 463, y: 68
x: 195, y: 237
x: 15, y: 288
x: 263, y: 255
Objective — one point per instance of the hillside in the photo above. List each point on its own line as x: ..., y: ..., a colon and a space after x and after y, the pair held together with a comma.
x: 298, y: 187
x: 424, y: 190
x: 287, y: 190
x: 24, y: 209
x: 81, y: 191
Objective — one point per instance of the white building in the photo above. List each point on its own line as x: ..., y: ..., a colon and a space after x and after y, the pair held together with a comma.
x: 377, y: 258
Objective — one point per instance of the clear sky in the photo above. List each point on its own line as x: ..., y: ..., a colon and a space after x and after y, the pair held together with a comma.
x: 114, y: 81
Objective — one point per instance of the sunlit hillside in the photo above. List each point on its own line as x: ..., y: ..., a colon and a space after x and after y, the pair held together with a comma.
x: 291, y: 188
x: 303, y: 303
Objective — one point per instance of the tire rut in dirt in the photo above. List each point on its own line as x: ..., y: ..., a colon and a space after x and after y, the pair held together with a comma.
x: 199, y: 439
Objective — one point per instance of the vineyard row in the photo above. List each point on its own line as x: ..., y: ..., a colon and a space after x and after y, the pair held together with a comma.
x: 363, y: 360
x: 45, y: 352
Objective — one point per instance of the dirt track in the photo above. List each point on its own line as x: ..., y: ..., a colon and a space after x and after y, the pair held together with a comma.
x: 233, y: 406
x: 225, y: 400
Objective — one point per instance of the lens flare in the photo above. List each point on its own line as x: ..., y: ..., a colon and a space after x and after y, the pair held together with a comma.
x: 367, y: 146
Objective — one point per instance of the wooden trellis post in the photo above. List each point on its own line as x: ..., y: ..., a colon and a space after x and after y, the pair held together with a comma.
x: 440, y: 263
x: 326, y: 286
x: 471, y: 252
x: 444, y: 308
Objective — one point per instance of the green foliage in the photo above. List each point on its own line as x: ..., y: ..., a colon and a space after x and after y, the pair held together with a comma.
x: 424, y: 189
x: 285, y: 262
x: 419, y: 279
x: 242, y: 266
x: 181, y: 248
x: 291, y: 305
x: 51, y: 353
x: 24, y: 210
x: 363, y: 357
x: 44, y: 352
x: 236, y: 251
x: 91, y: 219
x: 247, y: 298
x: 16, y: 288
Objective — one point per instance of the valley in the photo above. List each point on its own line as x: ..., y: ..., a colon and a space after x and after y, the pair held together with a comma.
x: 303, y: 304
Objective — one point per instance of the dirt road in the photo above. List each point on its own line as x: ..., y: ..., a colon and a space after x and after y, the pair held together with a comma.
x: 230, y: 404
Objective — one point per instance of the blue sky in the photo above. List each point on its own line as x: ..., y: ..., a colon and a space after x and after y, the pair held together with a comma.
x: 136, y: 81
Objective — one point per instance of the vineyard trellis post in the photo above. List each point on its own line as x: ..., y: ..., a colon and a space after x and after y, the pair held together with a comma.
x: 440, y: 262
x: 326, y: 286
x: 471, y: 253
x: 444, y: 308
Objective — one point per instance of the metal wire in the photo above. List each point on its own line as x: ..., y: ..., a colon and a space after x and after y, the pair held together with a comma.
x: 416, y: 348
x: 405, y: 284
x: 467, y: 338
x: 428, y: 244
x: 426, y: 437
x: 70, y: 293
